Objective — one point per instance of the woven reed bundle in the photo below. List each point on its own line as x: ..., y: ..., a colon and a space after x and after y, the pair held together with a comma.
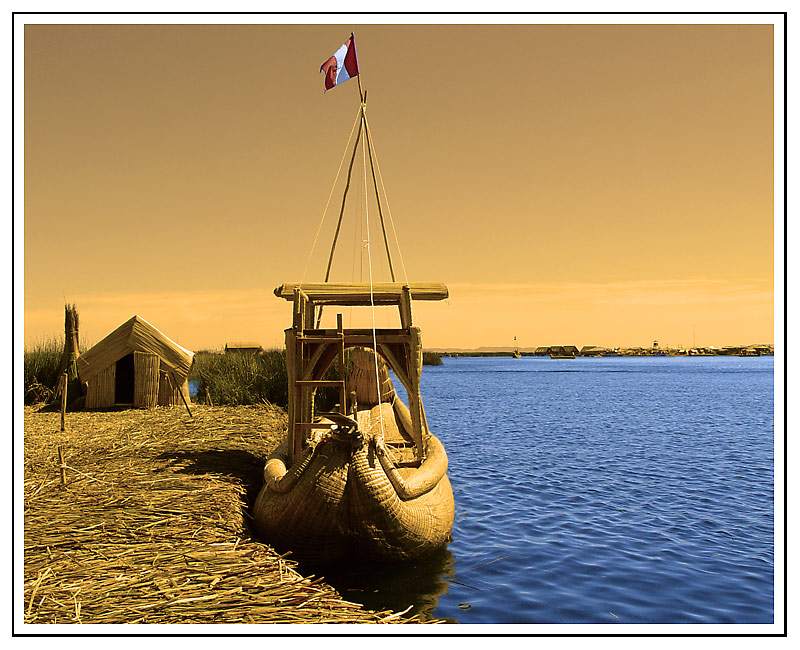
x: 399, y: 528
x: 150, y: 528
x: 361, y: 377
x: 310, y: 519
x: 346, y: 495
x: 344, y: 502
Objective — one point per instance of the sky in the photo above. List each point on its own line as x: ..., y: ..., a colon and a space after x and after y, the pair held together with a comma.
x: 572, y: 184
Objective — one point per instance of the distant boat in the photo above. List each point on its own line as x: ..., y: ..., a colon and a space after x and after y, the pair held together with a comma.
x: 516, y: 354
x: 562, y: 356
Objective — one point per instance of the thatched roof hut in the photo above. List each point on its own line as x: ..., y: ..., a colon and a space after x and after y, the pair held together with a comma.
x: 136, y: 364
x: 593, y: 351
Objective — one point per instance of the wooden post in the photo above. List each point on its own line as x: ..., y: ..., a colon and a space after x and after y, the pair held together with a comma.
x: 64, y: 401
x: 303, y: 406
x: 180, y: 392
x: 343, y: 389
x: 301, y: 305
x: 62, y: 466
x: 414, y: 397
x: 295, y: 445
x: 308, y: 323
x: 405, y: 307
x: 184, y: 402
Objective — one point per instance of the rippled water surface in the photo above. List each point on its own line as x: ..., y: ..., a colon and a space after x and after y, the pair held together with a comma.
x: 613, y: 490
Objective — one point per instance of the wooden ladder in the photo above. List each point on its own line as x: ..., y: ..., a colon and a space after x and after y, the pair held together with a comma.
x: 308, y: 356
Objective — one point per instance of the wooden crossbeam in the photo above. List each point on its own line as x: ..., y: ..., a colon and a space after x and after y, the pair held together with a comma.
x: 358, y: 293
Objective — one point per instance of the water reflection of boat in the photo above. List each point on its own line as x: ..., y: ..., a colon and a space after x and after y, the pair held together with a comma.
x: 417, y: 584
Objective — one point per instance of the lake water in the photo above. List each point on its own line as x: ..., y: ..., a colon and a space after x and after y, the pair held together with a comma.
x: 610, y: 490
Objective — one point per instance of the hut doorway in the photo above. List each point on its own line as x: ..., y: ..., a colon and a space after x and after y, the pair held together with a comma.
x: 123, y: 382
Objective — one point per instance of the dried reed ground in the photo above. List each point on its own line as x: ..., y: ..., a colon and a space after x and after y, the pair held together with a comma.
x: 151, y: 527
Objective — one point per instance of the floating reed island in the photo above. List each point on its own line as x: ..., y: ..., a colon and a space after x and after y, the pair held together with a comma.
x: 140, y: 516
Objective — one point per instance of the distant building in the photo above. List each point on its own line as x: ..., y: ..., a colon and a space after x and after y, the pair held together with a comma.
x: 563, y: 351
x: 243, y: 347
x: 593, y: 351
x: 632, y: 352
x: 731, y: 350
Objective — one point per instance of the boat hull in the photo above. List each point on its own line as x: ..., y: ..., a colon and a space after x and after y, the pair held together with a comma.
x: 343, y: 497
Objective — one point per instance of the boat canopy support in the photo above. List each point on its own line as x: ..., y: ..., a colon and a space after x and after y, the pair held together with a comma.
x: 310, y: 350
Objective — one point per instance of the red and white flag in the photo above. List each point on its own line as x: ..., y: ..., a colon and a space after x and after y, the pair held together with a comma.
x: 343, y: 65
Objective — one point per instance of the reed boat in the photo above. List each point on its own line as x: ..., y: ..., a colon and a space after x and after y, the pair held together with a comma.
x: 367, y: 478
x: 370, y: 478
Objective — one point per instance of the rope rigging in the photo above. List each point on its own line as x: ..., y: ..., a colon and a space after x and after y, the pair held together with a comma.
x: 374, y: 168
x: 367, y: 152
x: 328, y: 202
x: 371, y: 293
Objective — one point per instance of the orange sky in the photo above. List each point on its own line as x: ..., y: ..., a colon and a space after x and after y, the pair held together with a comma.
x: 572, y: 184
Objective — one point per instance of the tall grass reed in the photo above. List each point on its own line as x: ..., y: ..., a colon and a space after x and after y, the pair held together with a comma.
x: 238, y: 378
x: 42, y: 362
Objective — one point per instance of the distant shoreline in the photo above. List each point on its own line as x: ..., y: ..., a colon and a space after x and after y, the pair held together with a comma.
x: 756, y: 350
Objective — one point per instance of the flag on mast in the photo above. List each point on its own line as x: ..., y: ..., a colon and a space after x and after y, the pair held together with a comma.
x: 343, y: 65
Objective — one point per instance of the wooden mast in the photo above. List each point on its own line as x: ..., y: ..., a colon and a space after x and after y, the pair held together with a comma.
x: 378, y: 197
x: 311, y: 350
x: 344, y: 201
x: 363, y: 95
x: 362, y: 126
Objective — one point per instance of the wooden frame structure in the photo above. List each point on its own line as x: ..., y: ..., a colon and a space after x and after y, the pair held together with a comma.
x: 310, y: 350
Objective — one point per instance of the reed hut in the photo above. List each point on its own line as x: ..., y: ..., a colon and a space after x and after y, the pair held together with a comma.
x: 563, y: 351
x: 593, y: 351
x: 135, y: 365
